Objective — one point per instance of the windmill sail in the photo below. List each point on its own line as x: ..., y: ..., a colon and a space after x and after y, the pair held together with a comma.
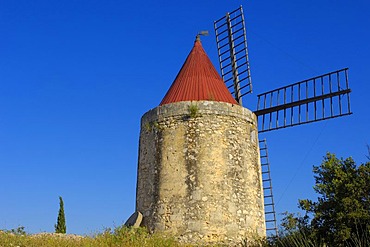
x: 315, y: 99
x: 319, y: 98
x: 233, y: 53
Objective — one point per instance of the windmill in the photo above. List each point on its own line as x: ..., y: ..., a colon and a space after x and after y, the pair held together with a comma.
x: 319, y: 98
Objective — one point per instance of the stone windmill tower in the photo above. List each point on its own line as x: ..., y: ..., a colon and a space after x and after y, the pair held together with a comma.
x: 199, y: 171
x: 199, y: 175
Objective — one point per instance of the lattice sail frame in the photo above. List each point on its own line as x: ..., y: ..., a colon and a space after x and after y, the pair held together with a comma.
x: 315, y: 99
x: 232, y: 49
x: 287, y: 102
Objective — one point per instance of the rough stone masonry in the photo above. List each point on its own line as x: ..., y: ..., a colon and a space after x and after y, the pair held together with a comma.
x: 199, y: 175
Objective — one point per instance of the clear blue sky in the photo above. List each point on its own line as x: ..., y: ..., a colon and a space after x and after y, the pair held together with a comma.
x: 76, y: 77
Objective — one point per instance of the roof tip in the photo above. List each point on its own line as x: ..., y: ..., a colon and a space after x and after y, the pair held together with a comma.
x: 198, y: 80
x: 197, y: 38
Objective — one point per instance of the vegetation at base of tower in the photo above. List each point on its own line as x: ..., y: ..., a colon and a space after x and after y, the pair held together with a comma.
x: 193, y: 111
x: 60, y: 226
x: 120, y: 236
x: 341, y: 215
x: 128, y: 237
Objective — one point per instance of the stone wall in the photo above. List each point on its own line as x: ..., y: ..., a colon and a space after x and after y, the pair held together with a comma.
x: 199, y: 175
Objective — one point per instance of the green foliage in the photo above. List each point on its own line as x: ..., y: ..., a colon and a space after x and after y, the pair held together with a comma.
x: 193, y: 110
x: 60, y: 227
x: 255, y: 242
x: 294, y: 222
x: 295, y: 231
x: 341, y: 215
x: 297, y: 239
x: 149, y: 126
x: 17, y: 231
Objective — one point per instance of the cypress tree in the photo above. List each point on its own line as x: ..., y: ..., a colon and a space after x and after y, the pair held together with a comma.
x: 60, y: 227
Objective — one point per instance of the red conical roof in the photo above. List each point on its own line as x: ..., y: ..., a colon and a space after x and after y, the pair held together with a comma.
x: 198, y: 80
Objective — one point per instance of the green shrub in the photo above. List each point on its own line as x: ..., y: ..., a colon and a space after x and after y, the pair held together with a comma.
x: 193, y: 111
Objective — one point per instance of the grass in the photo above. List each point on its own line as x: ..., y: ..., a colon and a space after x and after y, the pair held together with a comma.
x: 300, y: 239
x: 123, y: 236
x: 120, y: 237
